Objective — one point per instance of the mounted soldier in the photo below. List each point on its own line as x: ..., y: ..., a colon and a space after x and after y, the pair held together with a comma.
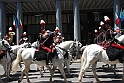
x: 24, y: 38
x: 58, y: 36
x: 46, y: 41
x: 109, y: 32
x: 101, y: 36
x: 96, y: 34
x: 11, y: 34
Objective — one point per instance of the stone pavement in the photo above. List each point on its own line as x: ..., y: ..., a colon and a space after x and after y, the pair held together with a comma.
x: 105, y: 75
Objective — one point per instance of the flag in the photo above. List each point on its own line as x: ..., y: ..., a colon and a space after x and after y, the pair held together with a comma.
x: 15, y: 21
x: 20, y: 22
x: 121, y: 16
x: 117, y: 20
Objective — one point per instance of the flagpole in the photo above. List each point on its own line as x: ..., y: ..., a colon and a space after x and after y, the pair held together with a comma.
x: 17, y: 36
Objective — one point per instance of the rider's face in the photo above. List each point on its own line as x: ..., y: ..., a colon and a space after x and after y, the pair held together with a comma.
x: 42, y: 31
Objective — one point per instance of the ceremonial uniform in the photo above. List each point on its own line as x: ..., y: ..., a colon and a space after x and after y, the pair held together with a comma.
x: 11, y: 34
x: 46, y: 43
x: 58, y: 36
x: 101, y: 36
x: 24, y: 38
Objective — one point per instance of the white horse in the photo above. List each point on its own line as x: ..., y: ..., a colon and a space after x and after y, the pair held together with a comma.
x: 9, y: 57
x: 71, y: 53
x: 91, y: 54
x: 67, y: 59
x: 27, y: 55
x: 4, y: 45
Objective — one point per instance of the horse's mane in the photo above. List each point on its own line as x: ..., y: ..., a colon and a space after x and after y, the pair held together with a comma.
x: 24, y: 44
x: 65, y: 44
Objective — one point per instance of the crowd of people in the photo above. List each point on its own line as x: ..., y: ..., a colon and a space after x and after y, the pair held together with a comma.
x: 105, y: 35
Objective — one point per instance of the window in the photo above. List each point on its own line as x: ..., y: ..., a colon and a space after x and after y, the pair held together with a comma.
x: 10, y: 20
x: 83, y: 17
x: 64, y: 18
x: 29, y: 19
x: 33, y: 20
x: 53, y: 19
x: 49, y: 19
x: 25, y: 20
x: 45, y: 18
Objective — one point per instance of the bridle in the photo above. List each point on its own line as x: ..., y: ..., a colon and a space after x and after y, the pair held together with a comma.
x: 71, y: 49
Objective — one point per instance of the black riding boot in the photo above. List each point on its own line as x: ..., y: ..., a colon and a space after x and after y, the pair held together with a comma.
x: 48, y: 57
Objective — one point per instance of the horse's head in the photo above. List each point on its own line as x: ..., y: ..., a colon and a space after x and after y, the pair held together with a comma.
x: 35, y: 44
x: 75, y: 49
x: 4, y: 45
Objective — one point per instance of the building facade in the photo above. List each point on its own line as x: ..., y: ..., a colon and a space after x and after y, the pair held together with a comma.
x: 76, y: 19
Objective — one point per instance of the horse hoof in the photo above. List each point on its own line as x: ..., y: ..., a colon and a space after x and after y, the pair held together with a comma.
x: 19, y: 81
x: 10, y: 78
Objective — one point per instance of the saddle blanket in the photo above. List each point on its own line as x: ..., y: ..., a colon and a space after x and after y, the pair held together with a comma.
x: 40, y: 55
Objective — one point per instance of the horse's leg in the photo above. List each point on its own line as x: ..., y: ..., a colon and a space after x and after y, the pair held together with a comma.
x: 8, y: 70
x: 123, y: 73
x: 27, y: 67
x: 60, y: 66
x: 83, y: 69
x: 40, y: 68
x: 68, y: 66
x: 5, y: 69
x: 52, y: 71
x: 113, y: 66
x: 1, y: 80
x: 43, y: 69
x: 94, y: 72
x: 25, y: 71
x: 20, y: 65
x: 22, y: 74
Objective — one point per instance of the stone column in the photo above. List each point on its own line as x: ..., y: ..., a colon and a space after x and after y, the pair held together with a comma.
x: 19, y: 30
x: 76, y: 20
x: 58, y: 15
x: 2, y: 19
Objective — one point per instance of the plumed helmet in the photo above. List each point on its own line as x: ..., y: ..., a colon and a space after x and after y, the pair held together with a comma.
x: 106, y: 19
x: 96, y: 31
x: 117, y: 30
x: 99, y: 28
x: 57, y: 28
x: 24, y: 34
x: 42, y: 22
x: 102, y: 23
x: 10, y: 32
x: 10, y: 29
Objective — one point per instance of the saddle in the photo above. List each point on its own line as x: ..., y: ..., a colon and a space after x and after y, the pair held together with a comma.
x: 40, y: 55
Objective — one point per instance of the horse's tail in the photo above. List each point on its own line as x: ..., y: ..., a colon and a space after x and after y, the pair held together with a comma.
x: 17, y: 61
x: 84, y: 58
